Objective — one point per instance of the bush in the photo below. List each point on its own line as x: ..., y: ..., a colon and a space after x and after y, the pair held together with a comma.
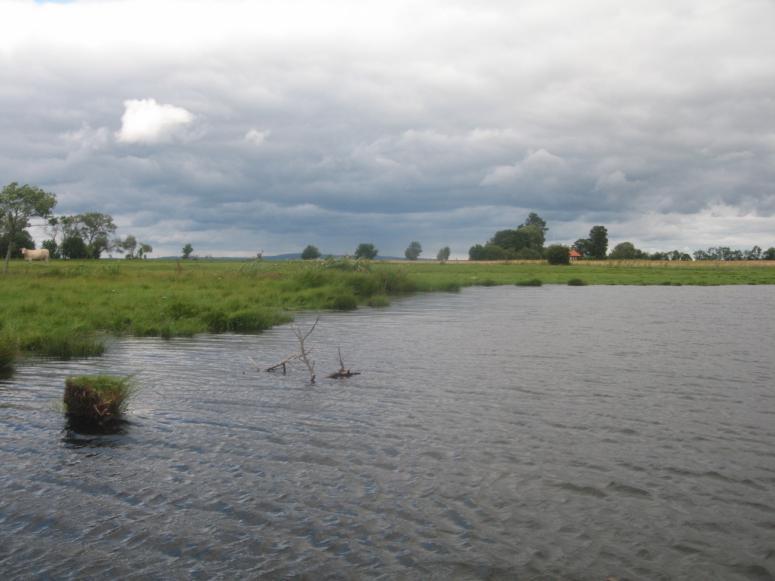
x: 530, y: 282
x: 344, y: 301
x: 379, y: 301
x: 346, y: 265
x: 557, y: 254
x: 576, y: 282
x: 96, y: 398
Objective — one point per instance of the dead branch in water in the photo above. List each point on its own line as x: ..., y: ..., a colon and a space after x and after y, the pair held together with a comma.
x: 303, y: 355
x: 343, y: 371
x: 282, y: 363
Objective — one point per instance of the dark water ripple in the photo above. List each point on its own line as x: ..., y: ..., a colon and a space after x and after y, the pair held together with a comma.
x: 514, y: 433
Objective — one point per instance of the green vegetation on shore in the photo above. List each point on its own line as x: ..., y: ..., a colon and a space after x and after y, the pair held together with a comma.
x: 63, y: 308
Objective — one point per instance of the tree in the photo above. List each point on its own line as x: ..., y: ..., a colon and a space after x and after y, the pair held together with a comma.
x: 626, y: 251
x: 52, y: 247
x: 128, y: 245
x: 21, y: 240
x: 598, y: 238
x: 488, y: 252
x: 558, y: 254
x: 187, y: 250
x: 413, y: 251
x: 366, y: 250
x: 94, y: 228
x: 17, y: 205
x: 584, y: 246
x: 310, y: 253
x: 74, y: 247
x: 769, y: 254
x: 534, y: 219
x: 144, y: 250
x: 754, y: 253
x: 443, y: 254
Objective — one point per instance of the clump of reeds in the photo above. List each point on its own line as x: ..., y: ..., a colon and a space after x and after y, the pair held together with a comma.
x: 96, y: 399
x: 530, y: 282
x: 576, y: 282
x: 379, y: 301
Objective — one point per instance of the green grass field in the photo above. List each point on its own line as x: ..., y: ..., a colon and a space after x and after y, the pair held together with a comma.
x: 62, y: 309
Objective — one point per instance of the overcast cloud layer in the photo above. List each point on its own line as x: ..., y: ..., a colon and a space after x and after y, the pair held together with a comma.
x: 240, y: 126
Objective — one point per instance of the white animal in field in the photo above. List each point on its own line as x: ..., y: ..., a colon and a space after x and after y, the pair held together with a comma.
x: 41, y: 254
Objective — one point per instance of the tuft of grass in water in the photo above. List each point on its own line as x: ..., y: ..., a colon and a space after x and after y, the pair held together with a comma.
x: 97, y: 398
x: 7, y: 354
x: 530, y: 282
x: 487, y: 282
x: 576, y: 282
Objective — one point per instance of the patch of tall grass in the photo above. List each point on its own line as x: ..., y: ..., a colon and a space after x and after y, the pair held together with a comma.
x: 7, y: 354
x: 61, y: 309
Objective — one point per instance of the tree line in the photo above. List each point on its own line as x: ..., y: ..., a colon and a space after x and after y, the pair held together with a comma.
x: 92, y: 234
x: 87, y: 235
x: 526, y: 242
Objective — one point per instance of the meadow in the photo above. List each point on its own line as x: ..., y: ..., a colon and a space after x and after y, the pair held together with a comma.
x: 66, y: 309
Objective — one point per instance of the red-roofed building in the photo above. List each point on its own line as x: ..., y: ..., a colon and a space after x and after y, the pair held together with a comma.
x: 574, y: 254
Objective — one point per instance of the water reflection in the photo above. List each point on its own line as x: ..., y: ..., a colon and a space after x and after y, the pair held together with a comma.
x: 78, y: 433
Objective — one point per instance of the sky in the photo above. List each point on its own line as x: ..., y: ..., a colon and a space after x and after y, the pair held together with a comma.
x: 246, y: 126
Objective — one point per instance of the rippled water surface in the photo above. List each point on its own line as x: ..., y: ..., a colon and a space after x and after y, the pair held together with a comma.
x: 515, y: 433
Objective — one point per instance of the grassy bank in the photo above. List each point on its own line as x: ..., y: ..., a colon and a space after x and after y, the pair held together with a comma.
x: 61, y: 309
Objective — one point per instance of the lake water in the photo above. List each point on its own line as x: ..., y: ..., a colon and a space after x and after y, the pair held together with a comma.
x: 498, y: 433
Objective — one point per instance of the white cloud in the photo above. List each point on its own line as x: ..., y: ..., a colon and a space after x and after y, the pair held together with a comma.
x: 257, y: 136
x: 536, y: 164
x: 146, y: 121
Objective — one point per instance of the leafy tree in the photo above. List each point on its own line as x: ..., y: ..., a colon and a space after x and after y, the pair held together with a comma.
x: 557, y: 254
x: 366, y: 250
x: 584, y: 246
x: 310, y: 253
x: 627, y: 251
x: 17, y: 205
x: 94, y: 228
x: 515, y: 240
x: 74, y: 247
x: 769, y: 254
x: 534, y: 219
x: 413, y: 251
x: 128, y: 245
x: 21, y: 240
x: 598, y: 237
x: 187, y: 250
x: 528, y: 254
x: 443, y: 254
x: 52, y: 247
x: 144, y: 250
x: 488, y: 252
x: 754, y: 253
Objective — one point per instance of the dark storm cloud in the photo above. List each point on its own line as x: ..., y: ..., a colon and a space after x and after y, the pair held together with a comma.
x: 243, y: 128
